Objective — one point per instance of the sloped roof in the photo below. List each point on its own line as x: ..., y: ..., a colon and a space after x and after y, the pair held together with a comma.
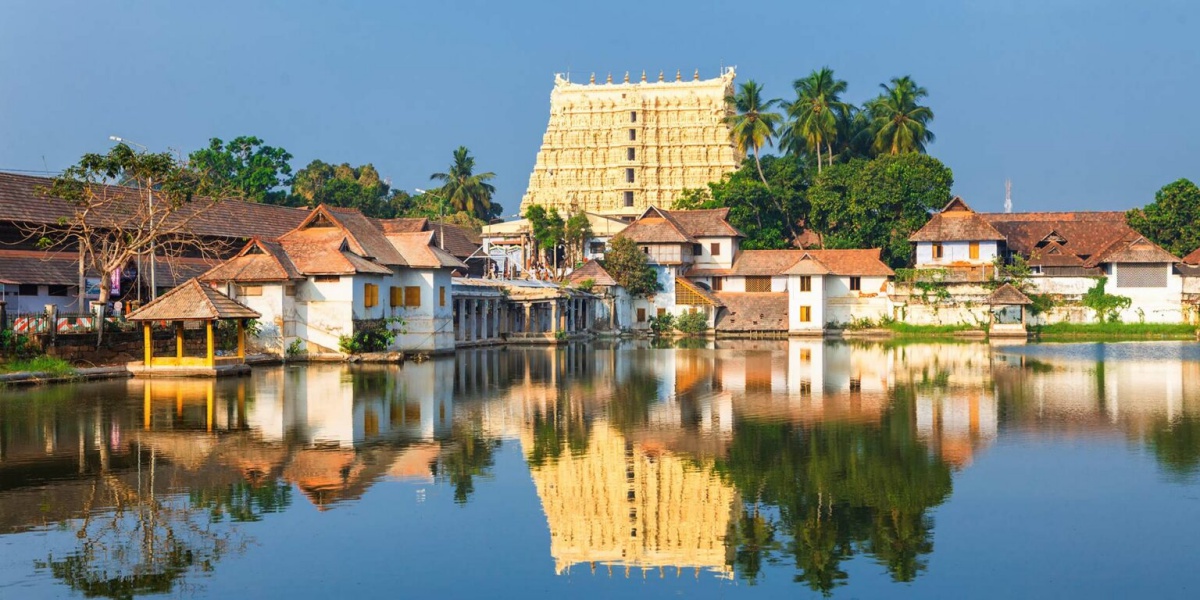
x: 21, y: 201
x: 1193, y: 258
x: 752, y: 312
x: 704, y: 223
x: 1132, y: 247
x: 656, y: 227
x: 324, y: 251
x: 956, y: 223
x: 708, y: 296
x: 366, y: 236
x: 457, y: 240
x: 403, y: 225
x: 765, y: 262
x: 259, y: 261
x: 62, y: 268
x: 418, y: 251
x: 854, y: 261
x: 1053, y: 255
x: 807, y: 264
x: 1080, y: 233
x: 592, y: 270
x: 193, y: 301
x: 1007, y: 295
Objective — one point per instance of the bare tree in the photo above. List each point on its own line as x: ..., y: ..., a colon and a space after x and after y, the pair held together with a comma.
x: 151, y: 212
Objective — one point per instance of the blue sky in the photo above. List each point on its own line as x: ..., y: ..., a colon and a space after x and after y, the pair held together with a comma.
x: 1074, y: 100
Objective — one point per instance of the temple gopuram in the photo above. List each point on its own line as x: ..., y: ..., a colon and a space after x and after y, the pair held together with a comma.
x: 618, y: 148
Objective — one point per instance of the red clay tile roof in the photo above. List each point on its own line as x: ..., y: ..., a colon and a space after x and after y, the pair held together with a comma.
x: 765, y: 262
x: 258, y: 261
x: 841, y: 262
x: 704, y: 223
x: 418, y: 251
x: 1053, y: 254
x: 325, y: 251
x: 657, y: 226
x: 457, y: 240
x: 592, y: 270
x: 1131, y: 248
x: 21, y: 201
x: 62, y: 268
x: 1080, y: 233
x: 403, y: 225
x: 956, y: 223
x: 193, y: 301
x: 1007, y: 295
x: 808, y: 264
x: 752, y: 312
x: 1193, y: 258
x: 365, y: 236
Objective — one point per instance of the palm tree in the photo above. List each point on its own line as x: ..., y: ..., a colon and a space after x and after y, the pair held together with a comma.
x: 901, y: 125
x: 753, y: 126
x: 816, y: 111
x: 464, y: 190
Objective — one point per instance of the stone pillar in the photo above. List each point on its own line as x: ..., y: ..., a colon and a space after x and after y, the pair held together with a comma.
x: 527, y: 325
x: 494, y: 319
x: 460, y: 329
x: 554, y: 316
x: 503, y: 318
x: 470, y: 336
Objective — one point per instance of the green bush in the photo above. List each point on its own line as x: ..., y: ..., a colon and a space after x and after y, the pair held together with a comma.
x: 692, y: 323
x: 371, y: 336
x: 661, y: 324
x: 17, y: 345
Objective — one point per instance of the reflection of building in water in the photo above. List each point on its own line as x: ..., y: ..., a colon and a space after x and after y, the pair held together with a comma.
x: 627, y: 505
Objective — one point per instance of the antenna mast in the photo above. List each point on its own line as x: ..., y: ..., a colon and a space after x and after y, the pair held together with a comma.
x: 1007, y: 195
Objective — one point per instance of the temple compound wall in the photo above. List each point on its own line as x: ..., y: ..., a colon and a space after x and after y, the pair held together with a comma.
x: 616, y: 149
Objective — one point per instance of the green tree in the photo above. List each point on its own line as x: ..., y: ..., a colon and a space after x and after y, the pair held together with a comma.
x: 901, y: 124
x: 768, y: 215
x: 576, y: 232
x: 815, y: 113
x: 345, y: 186
x: 245, y: 165
x: 753, y: 123
x: 628, y: 265
x: 878, y: 203
x: 547, y: 230
x: 466, y: 190
x: 1107, y: 306
x: 1170, y: 221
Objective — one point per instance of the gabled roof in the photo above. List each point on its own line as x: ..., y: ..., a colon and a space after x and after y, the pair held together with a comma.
x: 956, y: 223
x: 752, y: 312
x: 1193, y: 258
x: 455, y: 239
x: 327, y: 251
x: 712, y: 222
x: 1053, y: 254
x: 258, y: 261
x: 418, y: 251
x: 807, y: 264
x: 1007, y: 295
x: 1132, y: 247
x: 592, y: 270
x: 403, y: 225
x: 765, y: 262
x: 854, y: 261
x: 656, y: 226
x: 364, y: 236
x: 1080, y: 233
x: 193, y: 301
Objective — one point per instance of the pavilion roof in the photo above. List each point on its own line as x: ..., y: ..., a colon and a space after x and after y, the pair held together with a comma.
x: 193, y: 301
x: 1007, y: 295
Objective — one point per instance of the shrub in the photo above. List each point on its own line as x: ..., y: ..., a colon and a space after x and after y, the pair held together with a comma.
x: 1107, y: 306
x: 371, y: 336
x: 661, y: 324
x: 586, y: 285
x: 17, y: 345
x: 692, y: 323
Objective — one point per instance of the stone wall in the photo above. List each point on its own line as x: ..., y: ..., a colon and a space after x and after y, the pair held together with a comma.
x: 118, y: 347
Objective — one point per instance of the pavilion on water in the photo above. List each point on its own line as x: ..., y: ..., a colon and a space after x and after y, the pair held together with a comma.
x: 192, y: 302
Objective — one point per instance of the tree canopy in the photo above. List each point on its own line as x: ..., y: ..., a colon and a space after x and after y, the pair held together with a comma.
x: 1170, y: 221
x: 753, y: 125
x: 629, y: 267
x: 465, y: 190
x: 245, y: 166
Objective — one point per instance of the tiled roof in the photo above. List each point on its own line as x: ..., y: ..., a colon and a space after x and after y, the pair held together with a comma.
x: 1007, y: 295
x: 752, y: 312
x: 1053, y: 255
x: 324, y: 251
x: 592, y: 270
x: 62, y: 268
x: 808, y: 264
x: 1131, y: 248
x: 1193, y: 258
x: 403, y: 225
x: 418, y: 251
x: 258, y: 261
x: 21, y: 201
x: 1080, y: 233
x: 956, y: 223
x: 657, y: 227
x: 457, y: 240
x: 193, y: 301
x: 765, y: 262
x: 848, y: 262
x: 704, y: 223
x: 366, y: 236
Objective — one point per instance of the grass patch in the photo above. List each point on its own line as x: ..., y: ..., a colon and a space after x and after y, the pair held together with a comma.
x: 919, y: 330
x: 40, y: 364
x: 1105, y: 331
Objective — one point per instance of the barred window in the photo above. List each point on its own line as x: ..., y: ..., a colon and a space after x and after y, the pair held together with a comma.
x: 1141, y: 276
x: 758, y: 284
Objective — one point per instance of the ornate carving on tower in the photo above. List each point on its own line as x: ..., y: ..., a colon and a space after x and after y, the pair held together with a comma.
x: 664, y: 135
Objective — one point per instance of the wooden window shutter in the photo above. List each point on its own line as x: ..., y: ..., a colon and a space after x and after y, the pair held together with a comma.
x: 397, y: 296
x: 412, y: 296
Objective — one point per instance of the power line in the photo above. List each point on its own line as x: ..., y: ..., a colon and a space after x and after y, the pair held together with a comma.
x: 11, y: 170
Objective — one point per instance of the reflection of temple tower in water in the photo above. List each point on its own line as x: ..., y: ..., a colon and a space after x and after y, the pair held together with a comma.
x: 632, y: 506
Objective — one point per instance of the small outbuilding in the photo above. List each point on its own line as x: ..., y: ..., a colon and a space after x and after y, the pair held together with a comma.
x: 1008, y: 312
x: 192, y: 302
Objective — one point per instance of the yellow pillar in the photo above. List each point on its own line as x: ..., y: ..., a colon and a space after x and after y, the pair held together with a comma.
x: 241, y: 338
x: 179, y: 341
x: 149, y: 341
x: 210, y: 355
x: 146, y: 406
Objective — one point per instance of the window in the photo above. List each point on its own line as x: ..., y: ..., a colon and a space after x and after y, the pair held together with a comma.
x: 442, y: 296
x: 58, y: 290
x: 856, y: 284
x: 27, y: 289
x: 806, y: 314
x: 632, y: 135
x: 715, y: 248
x: 1141, y: 276
x: 629, y: 175
x: 697, y: 249
x: 370, y: 295
x: 717, y: 283
x: 646, y: 250
x: 327, y: 279
x: 249, y: 290
x: 630, y: 153
x: 289, y: 289
x: 633, y: 116
x: 758, y: 284
x: 973, y: 249
x: 806, y: 283
x: 396, y: 296
x: 628, y: 198
x: 660, y: 312
x: 412, y: 296
x: 937, y: 250
x: 641, y: 315
x: 596, y: 247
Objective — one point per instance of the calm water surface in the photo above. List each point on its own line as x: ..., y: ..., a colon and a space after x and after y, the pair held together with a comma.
x: 748, y: 469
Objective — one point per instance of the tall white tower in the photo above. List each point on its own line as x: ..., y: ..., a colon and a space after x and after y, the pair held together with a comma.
x: 1007, y: 195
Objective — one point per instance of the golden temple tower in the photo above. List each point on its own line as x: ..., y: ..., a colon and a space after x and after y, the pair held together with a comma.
x: 618, y: 148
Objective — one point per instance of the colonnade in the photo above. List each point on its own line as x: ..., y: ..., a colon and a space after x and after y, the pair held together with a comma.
x: 494, y: 319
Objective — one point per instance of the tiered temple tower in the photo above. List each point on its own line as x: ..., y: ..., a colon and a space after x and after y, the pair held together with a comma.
x: 618, y: 148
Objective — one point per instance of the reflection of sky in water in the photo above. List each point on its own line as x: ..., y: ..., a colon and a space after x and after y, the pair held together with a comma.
x: 1027, y: 471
